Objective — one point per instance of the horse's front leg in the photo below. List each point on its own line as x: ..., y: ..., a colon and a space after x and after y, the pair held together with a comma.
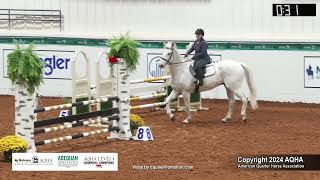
x: 173, y: 95
x: 186, y: 99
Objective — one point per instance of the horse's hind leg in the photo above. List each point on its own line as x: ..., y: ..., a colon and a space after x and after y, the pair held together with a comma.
x: 241, y: 95
x: 232, y: 101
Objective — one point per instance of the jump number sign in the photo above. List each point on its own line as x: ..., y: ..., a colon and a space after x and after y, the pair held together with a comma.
x: 64, y: 113
x: 144, y: 134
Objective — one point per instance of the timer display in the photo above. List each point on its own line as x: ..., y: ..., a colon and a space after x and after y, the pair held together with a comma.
x: 294, y: 9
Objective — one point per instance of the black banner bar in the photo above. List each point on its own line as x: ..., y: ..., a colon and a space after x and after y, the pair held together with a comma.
x: 280, y: 162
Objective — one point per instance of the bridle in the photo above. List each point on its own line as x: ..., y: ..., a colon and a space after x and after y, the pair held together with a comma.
x: 171, y: 57
x: 168, y: 60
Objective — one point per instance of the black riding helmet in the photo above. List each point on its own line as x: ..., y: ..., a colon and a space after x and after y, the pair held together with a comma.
x: 199, y: 31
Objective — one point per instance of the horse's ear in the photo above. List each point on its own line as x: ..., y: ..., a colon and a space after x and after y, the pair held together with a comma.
x: 164, y: 44
x: 173, y: 44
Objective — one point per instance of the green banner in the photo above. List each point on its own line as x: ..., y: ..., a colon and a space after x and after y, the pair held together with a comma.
x: 212, y: 45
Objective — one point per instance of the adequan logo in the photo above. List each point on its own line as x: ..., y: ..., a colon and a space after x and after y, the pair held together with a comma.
x: 68, y: 161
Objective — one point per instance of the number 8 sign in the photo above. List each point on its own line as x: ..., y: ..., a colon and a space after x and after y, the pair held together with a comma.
x: 144, y: 134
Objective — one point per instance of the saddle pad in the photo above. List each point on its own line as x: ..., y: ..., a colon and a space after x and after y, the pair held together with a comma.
x: 210, y: 70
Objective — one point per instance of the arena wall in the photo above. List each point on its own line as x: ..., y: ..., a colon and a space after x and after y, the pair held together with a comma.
x: 280, y: 71
x: 176, y: 19
x: 278, y: 49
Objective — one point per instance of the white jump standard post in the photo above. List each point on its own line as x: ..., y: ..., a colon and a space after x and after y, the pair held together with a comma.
x: 80, y: 85
x: 24, y: 117
x: 121, y: 89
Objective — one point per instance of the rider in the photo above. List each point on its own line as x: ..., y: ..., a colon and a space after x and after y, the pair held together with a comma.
x: 201, y: 57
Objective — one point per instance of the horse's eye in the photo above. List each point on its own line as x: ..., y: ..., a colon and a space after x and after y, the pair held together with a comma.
x: 169, y: 53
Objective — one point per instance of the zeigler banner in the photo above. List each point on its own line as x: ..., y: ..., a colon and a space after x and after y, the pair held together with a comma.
x: 57, y: 63
x: 279, y: 162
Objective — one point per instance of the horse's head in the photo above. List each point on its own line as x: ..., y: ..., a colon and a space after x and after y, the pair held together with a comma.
x: 169, y: 53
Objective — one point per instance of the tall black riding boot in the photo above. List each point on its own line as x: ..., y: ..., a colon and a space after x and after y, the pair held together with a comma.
x: 201, y: 82
x: 196, y: 89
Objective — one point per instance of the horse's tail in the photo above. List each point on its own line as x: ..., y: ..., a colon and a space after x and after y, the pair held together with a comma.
x: 252, y: 88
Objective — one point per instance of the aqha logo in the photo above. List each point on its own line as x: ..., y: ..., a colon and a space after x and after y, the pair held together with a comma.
x: 294, y: 159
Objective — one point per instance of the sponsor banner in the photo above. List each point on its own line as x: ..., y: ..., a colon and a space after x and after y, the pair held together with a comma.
x: 155, y: 58
x: 312, y: 71
x: 57, y: 63
x: 154, y: 69
x: 65, y: 162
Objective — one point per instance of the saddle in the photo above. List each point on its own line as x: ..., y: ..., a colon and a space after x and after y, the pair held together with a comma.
x: 210, y: 70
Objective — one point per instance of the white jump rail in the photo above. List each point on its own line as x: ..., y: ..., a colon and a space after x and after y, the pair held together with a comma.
x: 149, y: 80
x: 147, y: 105
x: 138, y: 98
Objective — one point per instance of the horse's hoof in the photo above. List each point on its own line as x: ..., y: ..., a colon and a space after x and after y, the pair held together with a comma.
x: 243, y: 117
x: 173, y: 118
x: 186, y: 121
x: 225, y: 120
